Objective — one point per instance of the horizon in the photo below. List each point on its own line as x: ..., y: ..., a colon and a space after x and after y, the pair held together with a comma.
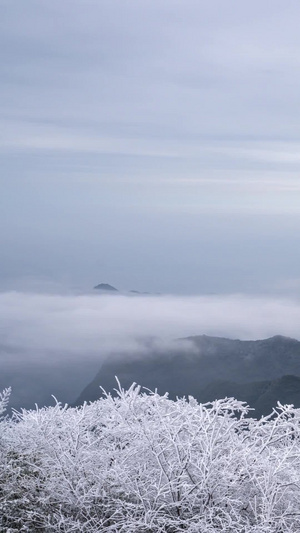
x: 149, y: 143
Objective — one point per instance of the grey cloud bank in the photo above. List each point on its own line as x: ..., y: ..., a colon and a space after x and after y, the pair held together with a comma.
x: 55, y: 344
x: 103, y: 324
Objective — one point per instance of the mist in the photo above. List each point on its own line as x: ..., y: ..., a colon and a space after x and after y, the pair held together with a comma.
x: 55, y: 343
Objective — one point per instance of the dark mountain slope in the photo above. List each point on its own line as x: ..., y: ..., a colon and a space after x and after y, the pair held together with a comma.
x: 261, y: 395
x: 190, y: 371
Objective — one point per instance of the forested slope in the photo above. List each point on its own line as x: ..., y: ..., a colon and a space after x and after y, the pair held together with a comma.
x: 212, y: 367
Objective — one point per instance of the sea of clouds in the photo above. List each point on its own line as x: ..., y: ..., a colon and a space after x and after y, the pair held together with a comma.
x: 54, y: 343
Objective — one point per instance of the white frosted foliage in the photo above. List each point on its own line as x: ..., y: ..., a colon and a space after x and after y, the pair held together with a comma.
x: 139, y: 462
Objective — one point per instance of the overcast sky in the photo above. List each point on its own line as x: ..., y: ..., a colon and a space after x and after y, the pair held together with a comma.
x: 150, y: 144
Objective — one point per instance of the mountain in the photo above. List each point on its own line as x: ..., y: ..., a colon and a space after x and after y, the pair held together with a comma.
x: 211, y: 362
x: 105, y: 287
x: 261, y: 395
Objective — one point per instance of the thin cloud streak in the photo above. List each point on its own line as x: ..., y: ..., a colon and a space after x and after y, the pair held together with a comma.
x: 30, y: 136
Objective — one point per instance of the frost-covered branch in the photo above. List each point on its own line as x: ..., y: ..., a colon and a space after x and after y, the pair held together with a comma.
x: 141, y: 462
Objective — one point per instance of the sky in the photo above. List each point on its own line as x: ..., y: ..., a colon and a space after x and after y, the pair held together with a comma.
x: 153, y: 145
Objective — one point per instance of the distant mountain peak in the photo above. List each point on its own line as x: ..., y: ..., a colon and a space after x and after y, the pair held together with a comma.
x: 105, y: 287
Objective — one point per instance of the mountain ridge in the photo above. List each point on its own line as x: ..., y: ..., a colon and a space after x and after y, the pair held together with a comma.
x: 184, y: 372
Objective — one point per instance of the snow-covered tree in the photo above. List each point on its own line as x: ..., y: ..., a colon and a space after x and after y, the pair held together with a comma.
x: 139, y: 462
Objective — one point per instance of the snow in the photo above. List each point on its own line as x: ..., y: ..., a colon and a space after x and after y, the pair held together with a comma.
x: 139, y: 462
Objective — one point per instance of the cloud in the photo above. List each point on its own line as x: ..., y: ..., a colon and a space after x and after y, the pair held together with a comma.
x: 152, y: 71
x: 54, y: 343
x: 102, y: 324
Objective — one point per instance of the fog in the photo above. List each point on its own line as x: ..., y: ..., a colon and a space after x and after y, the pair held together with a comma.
x: 54, y: 343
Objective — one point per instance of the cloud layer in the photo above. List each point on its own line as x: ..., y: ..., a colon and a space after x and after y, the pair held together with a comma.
x: 104, y: 323
x: 54, y: 344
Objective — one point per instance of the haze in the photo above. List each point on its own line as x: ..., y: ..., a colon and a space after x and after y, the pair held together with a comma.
x: 152, y: 145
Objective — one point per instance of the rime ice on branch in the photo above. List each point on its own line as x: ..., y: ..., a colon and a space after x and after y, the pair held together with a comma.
x: 141, y: 462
